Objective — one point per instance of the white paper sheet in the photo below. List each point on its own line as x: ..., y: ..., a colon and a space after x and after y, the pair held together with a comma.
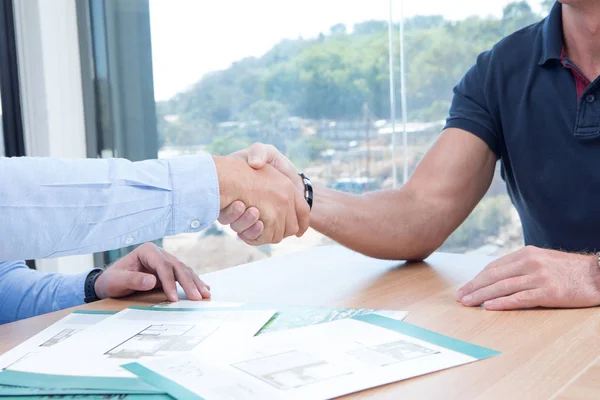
x: 289, y: 317
x: 198, y: 304
x: 56, y: 333
x: 136, y: 334
x: 317, y: 362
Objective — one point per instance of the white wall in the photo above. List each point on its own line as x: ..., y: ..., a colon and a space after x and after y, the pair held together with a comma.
x: 51, y: 91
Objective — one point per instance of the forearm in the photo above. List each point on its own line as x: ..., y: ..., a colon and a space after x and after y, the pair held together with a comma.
x: 412, y: 222
x: 26, y: 293
x: 390, y: 224
x: 57, y: 207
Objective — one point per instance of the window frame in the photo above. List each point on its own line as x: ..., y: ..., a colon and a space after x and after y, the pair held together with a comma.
x: 12, y: 122
x: 10, y: 94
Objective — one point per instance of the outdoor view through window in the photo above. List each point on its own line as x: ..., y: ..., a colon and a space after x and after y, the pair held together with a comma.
x: 312, y: 77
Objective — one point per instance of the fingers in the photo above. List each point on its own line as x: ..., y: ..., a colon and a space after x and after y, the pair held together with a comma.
x: 193, y: 287
x: 512, y: 257
x: 490, y: 275
x: 232, y: 213
x: 252, y: 233
x: 298, y: 216
x: 500, y: 289
x: 249, y: 227
x: 166, y: 274
x: 295, y: 221
x: 526, y: 299
x: 139, y: 281
x: 279, y: 229
x: 245, y: 221
x: 153, y: 259
x: 291, y: 219
x: 116, y: 282
x: 203, y: 287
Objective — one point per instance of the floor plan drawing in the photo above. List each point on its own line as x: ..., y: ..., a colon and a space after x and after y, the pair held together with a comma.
x: 157, y: 340
x: 391, y: 353
x: 60, y: 336
x: 291, y: 370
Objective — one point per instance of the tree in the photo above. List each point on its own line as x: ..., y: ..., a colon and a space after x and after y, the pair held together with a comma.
x: 333, y: 76
x: 265, y: 122
x: 306, y: 150
x: 487, y: 220
x: 338, y: 29
x: 370, y: 27
x: 227, y: 144
x: 547, y: 5
x: 284, y: 51
x: 517, y: 15
x: 424, y: 22
x: 266, y: 112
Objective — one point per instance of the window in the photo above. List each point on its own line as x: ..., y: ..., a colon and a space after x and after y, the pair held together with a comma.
x: 12, y: 143
x: 314, y: 78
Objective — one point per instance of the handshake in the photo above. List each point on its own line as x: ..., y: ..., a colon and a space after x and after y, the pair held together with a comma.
x: 262, y: 195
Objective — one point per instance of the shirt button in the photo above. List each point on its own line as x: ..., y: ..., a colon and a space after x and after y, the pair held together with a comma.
x: 195, y: 224
x: 129, y: 240
x: 590, y: 98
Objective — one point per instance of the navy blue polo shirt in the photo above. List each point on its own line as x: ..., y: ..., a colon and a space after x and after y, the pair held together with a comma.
x: 527, y: 101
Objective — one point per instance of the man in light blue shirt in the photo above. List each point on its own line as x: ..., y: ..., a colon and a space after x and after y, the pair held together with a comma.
x: 52, y: 208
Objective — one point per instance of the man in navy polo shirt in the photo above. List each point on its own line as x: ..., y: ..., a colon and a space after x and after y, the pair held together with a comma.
x: 532, y: 102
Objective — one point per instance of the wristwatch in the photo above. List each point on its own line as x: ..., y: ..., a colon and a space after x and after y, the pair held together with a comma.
x: 90, y: 285
x: 308, y: 189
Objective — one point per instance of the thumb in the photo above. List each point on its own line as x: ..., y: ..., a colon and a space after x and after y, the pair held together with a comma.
x: 115, y: 283
x: 260, y: 154
x: 138, y: 281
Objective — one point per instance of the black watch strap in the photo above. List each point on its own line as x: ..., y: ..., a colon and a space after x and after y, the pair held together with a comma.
x: 308, y: 189
x: 90, y: 285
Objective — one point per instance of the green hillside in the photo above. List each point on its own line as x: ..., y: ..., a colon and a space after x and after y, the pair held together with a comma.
x: 334, y: 76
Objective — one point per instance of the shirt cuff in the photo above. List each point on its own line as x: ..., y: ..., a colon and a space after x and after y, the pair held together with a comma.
x: 71, y: 291
x: 195, y: 193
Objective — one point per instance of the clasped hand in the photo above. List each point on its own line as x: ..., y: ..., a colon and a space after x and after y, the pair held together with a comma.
x: 262, y: 204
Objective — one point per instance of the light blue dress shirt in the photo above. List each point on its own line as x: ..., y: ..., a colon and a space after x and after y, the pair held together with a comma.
x: 51, y: 208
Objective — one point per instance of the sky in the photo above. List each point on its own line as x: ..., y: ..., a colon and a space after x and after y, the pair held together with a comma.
x: 193, y: 37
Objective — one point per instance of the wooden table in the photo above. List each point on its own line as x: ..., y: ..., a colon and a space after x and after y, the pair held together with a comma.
x: 585, y: 386
x: 542, y: 350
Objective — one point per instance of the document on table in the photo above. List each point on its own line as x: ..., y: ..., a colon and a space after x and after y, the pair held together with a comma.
x: 317, y: 362
x: 56, y: 333
x: 289, y: 317
x: 92, y: 358
x: 198, y: 304
x: 28, y: 393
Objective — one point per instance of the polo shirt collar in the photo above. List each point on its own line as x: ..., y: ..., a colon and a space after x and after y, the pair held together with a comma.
x: 552, y: 41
